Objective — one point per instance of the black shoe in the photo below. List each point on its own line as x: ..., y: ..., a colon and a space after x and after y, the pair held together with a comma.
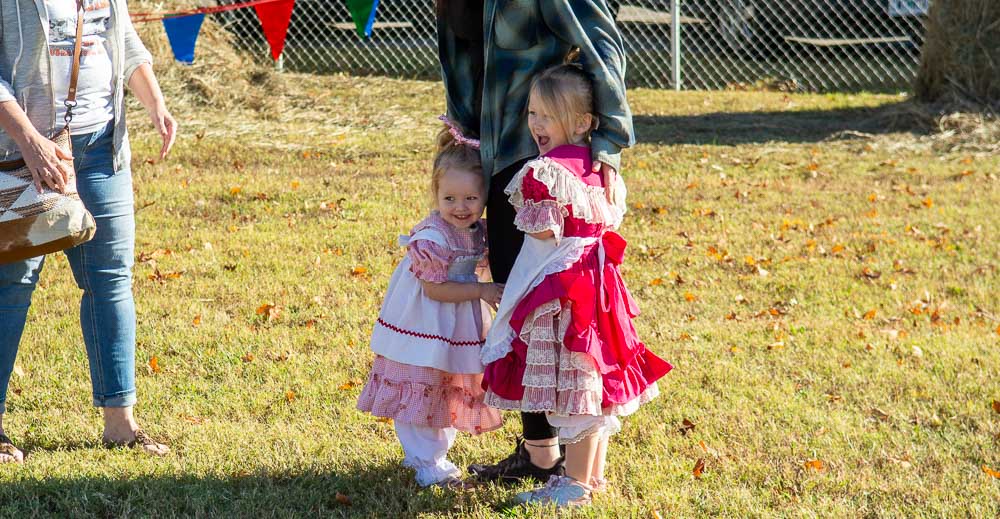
x: 516, y: 467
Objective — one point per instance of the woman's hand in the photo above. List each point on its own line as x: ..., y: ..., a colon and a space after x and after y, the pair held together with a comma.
x: 44, y: 159
x: 491, y: 293
x: 165, y: 125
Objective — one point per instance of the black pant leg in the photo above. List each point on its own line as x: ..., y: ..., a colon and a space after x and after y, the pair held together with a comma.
x: 503, y: 238
x: 505, y: 242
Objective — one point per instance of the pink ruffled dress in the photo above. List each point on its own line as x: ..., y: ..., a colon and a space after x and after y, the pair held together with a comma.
x: 427, y: 370
x: 563, y: 341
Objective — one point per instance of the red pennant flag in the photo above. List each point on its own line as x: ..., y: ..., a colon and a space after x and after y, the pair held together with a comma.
x: 274, y: 18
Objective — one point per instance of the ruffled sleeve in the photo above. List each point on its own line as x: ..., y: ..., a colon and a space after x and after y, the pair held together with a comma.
x: 429, y: 261
x: 539, y: 211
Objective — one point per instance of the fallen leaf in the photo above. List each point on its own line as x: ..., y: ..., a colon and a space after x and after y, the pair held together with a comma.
x: 343, y: 499
x: 235, y: 190
x: 991, y: 472
x: 154, y: 364
x: 689, y: 297
x: 880, y: 414
x: 928, y: 202
x: 295, y: 185
x: 868, y: 273
x: 996, y: 406
x: 350, y: 384
x: 383, y: 419
x: 816, y: 465
x: 359, y: 271
x: 269, y: 310
x: 686, y: 426
x: 197, y: 320
x: 708, y: 450
x: 192, y: 419
x: 656, y: 282
x: 248, y: 357
x: 289, y: 395
x: 870, y: 314
x: 699, y: 467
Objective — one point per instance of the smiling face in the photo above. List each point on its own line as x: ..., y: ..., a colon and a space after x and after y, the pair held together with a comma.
x: 548, y: 128
x: 460, y: 197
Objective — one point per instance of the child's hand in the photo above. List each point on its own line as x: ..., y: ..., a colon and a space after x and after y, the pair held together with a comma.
x: 491, y: 293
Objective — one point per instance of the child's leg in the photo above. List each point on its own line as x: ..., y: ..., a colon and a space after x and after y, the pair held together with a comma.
x: 426, y: 451
x: 580, y: 458
x: 600, y: 459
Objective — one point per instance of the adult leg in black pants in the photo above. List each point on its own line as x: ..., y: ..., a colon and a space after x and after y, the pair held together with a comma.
x: 537, y: 455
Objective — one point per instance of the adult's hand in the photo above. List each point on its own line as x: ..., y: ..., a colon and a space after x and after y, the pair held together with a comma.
x: 610, y: 180
x: 44, y: 159
x: 42, y: 156
x: 165, y: 125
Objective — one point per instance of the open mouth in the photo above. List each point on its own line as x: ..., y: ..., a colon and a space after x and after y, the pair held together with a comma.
x: 543, y: 140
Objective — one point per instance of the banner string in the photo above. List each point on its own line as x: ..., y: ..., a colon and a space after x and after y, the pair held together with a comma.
x: 154, y: 17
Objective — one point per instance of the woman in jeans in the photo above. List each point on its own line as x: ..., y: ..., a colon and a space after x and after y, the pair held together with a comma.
x: 487, y: 69
x: 38, y: 38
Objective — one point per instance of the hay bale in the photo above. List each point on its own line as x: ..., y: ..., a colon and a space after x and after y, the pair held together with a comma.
x: 960, y: 59
x: 222, y: 77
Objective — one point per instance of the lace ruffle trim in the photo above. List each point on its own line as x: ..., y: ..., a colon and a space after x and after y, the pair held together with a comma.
x: 498, y: 346
x: 589, y: 203
x: 535, y: 217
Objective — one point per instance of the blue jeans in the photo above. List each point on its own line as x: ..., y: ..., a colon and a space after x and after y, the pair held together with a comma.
x: 102, y: 267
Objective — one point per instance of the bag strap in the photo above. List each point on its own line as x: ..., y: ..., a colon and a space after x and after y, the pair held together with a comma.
x: 77, y: 51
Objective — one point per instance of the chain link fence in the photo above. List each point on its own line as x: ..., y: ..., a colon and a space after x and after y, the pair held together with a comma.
x: 794, y: 45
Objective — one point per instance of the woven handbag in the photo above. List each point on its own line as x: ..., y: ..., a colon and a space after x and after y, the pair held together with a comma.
x: 32, y: 223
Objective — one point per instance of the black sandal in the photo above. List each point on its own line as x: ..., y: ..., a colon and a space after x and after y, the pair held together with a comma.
x: 7, y: 447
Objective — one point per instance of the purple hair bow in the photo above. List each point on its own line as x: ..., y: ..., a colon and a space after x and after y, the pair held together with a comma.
x: 455, y: 132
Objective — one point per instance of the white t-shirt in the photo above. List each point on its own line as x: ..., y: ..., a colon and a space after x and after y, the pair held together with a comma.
x: 95, y: 82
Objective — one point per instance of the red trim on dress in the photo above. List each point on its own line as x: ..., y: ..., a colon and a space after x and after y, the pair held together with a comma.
x: 429, y: 336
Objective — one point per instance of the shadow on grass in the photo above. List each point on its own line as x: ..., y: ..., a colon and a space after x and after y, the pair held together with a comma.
x: 803, y: 126
x: 375, y: 491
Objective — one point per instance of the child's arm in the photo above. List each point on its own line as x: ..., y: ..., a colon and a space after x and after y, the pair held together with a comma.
x: 454, y: 292
x: 544, y: 235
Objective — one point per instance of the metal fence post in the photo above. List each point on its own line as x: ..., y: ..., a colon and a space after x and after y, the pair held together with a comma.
x: 675, y: 40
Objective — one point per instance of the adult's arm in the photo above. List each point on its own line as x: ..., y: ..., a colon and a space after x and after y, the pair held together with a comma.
x: 42, y: 156
x: 145, y: 87
x: 589, y: 25
x: 141, y: 80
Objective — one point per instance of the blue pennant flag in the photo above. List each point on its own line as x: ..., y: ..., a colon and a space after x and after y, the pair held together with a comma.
x: 182, y: 31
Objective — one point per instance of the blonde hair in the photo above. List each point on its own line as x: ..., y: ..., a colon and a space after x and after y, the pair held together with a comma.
x: 566, y: 91
x: 453, y: 155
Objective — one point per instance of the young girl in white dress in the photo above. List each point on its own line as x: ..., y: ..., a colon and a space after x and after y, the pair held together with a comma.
x: 427, y: 372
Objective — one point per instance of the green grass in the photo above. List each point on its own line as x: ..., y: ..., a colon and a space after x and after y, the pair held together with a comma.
x: 773, y: 369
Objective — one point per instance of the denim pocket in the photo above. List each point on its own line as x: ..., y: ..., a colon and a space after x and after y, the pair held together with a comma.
x: 516, y: 25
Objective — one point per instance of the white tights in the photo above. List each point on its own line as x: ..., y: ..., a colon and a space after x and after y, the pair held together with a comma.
x: 425, y: 450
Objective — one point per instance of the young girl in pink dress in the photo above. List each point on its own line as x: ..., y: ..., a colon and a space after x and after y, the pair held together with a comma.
x: 427, y: 372
x: 563, y: 340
